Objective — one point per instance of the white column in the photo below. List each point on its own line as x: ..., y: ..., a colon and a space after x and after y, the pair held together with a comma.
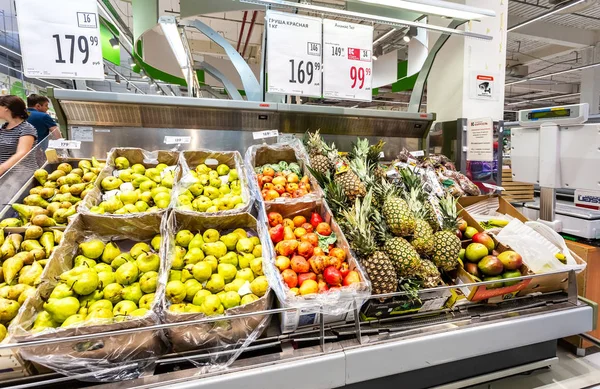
x: 452, y: 85
x: 590, y: 80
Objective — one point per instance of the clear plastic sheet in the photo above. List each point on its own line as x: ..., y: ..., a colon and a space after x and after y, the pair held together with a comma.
x: 223, y: 340
x: 189, y: 160
x: 332, y: 302
x: 107, y: 358
x: 290, y: 151
x: 134, y: 156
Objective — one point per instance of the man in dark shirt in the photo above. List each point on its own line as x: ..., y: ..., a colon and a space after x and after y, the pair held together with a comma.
x: 37, y: 106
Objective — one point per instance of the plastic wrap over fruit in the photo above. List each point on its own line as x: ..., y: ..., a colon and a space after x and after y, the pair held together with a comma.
x: 214, y: 268
x: 104, y: 277
x: 311, y: 265
x: 211, y: 183
x: 134, y: 182
x: 278, y: 173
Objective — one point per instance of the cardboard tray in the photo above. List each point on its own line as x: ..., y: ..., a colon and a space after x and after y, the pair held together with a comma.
x: 224, y: 332
x: 118, y: 348
x: 135, y: 156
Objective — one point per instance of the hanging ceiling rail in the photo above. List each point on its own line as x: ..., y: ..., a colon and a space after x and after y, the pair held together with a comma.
x: 364, y: 17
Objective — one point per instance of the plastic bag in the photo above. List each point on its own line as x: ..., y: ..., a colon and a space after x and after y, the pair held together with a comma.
x: 190, y: 160
x: 538, y: 253
x: 223, y: 340
x: 149, y: 159
x: 290, y: 152
x: 332, y: 302
x: 127, y: 356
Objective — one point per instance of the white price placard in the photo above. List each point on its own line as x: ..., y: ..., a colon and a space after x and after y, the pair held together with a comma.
x: 61, y: 144
x: 265, y: 134
x: 60, y: 39
x: 177, y: 140
x: 480, y: 140
x: 347, y: 60
x: 294, y: 54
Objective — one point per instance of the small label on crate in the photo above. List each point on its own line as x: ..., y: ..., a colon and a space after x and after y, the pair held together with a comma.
x: 177, y: 140
x: 62, y: 144
x: 418, y: 153
x: 290, y: 321
x: 265, y: 134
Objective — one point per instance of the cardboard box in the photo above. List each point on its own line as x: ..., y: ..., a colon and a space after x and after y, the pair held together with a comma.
x: 429, y: 301
x: 504, y: 207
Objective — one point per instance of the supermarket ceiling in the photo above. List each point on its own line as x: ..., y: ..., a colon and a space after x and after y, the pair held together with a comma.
x: 555, y: 43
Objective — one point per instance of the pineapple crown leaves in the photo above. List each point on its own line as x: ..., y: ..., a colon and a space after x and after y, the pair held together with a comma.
x: 415, y: 203
x: 410, y: 178
x: 411, y: 288
x: 447, y: 206
x: 358, y: 228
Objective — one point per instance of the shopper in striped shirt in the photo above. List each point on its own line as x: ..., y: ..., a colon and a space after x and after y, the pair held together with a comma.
x: 17, y: 137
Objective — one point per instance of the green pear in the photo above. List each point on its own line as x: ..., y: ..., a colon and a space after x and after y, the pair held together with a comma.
x: 200, y: 296
x: 33, y: 232
x: 244, y: 245
x: 111, y: 251
x: 140, y: 312
x: 126, y: 175
x: 177, y: 308
x: 15, y: 291
x: 178, y: 262
x: 174, y: 275
x: 230, y: 240
x: 103, y: 267
x: 112, y: 292
x: 89, y: 299
x: 92, y: 249
x: 234, y: 285
x: 106, y: 278
x: 256, y: 266
x: 35, y: 199
x: 3, y: 332
x: 217, y: 249
x: 61, y: 291
x: 230, y: 258
x: 100, y: 304
x: 216, y: 283
x: 41, y: 175
x: 259, y: 286
x: 191, y: 288
x: 186, y: 273
x: 155, y: 243
x: 37, y: 254
x: 210, y: 259
x: 231, y: 299
x: 201, y: 271
x: 175, y: 292
x: 211, y: 236
x: 138, y: 248
x: 42, y: 321
x: 99, y: 316
x: 11, y: 221
x: 227, y: 271
x: 30, y: 275
x: 132, y: 292
x: 61, y: 309
x: 211, y: 305
x: 124, y: 308
x: 127, y: 273
x: 153, y: 174
x: 184, y: 237
x: 129, y: 197
x: 191, y: 308
x: 146, y: 301
x: 87, y: 282
x: 148, y: 282
x: 11, y: 268
x: 112, y: 205
x: 196, y: 242
x: 249, y: 298
x: 167, y: 181
x: 120, y: 260
x: 28, y: 245
x: 194, y: 255
x: 82, y: 260
x: 138, y: 168
x: 141, y: 206
x: 73, y: 321
x: 65, y: 167
x: 148, y: 262
x: 27, y: 293
x: 121, y: 163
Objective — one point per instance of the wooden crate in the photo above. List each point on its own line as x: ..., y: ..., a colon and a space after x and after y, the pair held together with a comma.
x: 515, y: 191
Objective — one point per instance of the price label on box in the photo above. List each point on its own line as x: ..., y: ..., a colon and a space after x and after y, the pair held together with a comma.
x: 347, y: 60
x: 62, y: 144
x: 177, y: 140
x: 60, y: 39
x: 265, y: 134
x: 294, y: 50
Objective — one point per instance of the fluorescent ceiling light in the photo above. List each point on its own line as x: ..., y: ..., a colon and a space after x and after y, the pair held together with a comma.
x: 545, y: 99
x: 436, y: 7
x: 545, y: 14
x: 554, y: 74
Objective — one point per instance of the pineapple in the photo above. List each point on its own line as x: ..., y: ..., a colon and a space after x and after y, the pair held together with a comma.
x: 429, y: 274
x: 446, y: 245
x: 396, y: 212
x: 422, y: 239
x: 379, y: 268
x: 405, y: 258
x: 412, y: 180
x: 317, y: 152
x: 345, y: 177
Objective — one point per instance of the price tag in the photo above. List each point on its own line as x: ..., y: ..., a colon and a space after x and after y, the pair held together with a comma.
x: 294, y: 52
x: 84, y: 134
x: 418, y: 153
x: 347, y: 60
x: 265, y: 134
x: 60, y: 39
x: 61, y: 144
x: 177, y: 140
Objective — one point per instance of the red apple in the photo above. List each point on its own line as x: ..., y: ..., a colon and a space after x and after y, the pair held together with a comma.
x: 484, y: 239
x: 276, y: 233
x: 352, y: 278
x: 275, y: 218
x: 511, y: 260
x: 306, y: 276
x: 308, y: 227
x: 345, y: 269
x: 290, y: 278
x: 333, y: 276
x: 462, y: 225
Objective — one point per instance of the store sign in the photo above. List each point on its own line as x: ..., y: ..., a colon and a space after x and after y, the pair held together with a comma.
x: 480, y: 140
x: 62, y: 144
x: 347, y: 60
x: 84, y: 134
x: 294, y: 54
x: 483, y: 86
x: 60, y: 39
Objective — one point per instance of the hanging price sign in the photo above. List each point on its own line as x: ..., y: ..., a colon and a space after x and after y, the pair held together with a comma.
x: 347, y: 60
x: 294, y: 52
x: 62, y: 144
x: 60, y: 39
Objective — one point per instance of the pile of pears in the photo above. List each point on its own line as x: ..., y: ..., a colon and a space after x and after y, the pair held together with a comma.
x: 211, y: 272
x: 23, y: 258
x: 104, y: 286
x: 211, y: 190
x: 135, y: 188
x: 57, y: 195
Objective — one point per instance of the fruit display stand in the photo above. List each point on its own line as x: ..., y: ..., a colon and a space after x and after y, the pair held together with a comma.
x: 420, y: 349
